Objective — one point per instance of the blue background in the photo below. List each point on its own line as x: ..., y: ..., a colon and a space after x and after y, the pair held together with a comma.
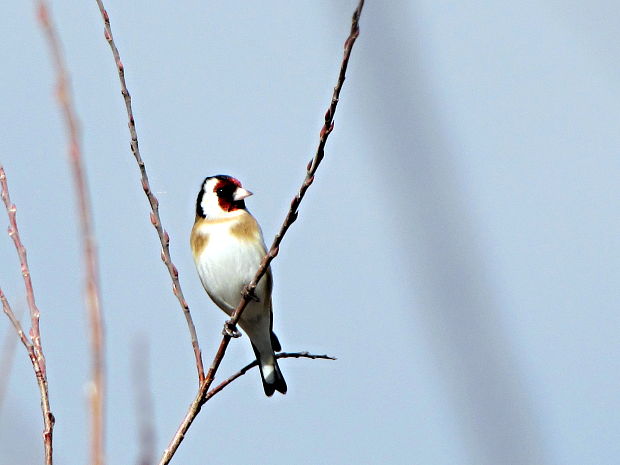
x: 458, y: 252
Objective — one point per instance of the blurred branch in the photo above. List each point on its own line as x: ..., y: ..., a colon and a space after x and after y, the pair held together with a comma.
x: 249, y: 366
x: 164, y: 239
x: 291, y: 216
x: 143, y: 401
x: 88, y: 241
x: 32, y: 345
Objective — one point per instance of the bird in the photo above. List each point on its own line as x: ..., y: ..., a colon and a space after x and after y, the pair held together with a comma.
x: 227, y: 245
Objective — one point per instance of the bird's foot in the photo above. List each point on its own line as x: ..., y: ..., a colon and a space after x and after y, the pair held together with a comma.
x: 250, y: 294
x: 230, y: 330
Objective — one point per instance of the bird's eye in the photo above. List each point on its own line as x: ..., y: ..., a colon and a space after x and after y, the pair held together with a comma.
x: 220, y: 192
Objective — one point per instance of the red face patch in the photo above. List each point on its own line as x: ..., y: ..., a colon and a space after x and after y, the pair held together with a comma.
x: 225, y: 189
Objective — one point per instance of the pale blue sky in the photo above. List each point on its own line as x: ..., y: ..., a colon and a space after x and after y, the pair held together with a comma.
x: 458, y: 252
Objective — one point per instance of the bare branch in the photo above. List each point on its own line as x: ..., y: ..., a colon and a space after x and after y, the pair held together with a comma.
x: 164, y: 238
x: 249, y: 366
x: 11, y: 211
x: 7, y: 355
x: 291, y: 216
x: 32, y: 345
x: 18, y: 329
x: 88, y: 240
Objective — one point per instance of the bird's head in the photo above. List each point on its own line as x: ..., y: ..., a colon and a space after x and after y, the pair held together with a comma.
x: 219, y: 195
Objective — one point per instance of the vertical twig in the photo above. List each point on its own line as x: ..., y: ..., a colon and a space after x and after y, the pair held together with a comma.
x: 88, y: 241
x: 33, y: 345
x: 291, y: 216
x: 164, y: 238
x: 143, y: 401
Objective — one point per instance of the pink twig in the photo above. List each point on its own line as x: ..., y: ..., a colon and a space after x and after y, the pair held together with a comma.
x: 20, y: 331
x: 164, y: 238
x: 88, y: 241
x: 291, y: 216
x: 32, y: 345
x: 7, y: 355
x: 11, y: 211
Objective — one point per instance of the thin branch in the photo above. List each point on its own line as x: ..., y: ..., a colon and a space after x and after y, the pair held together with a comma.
x: 11, y: 211
x: 164, y: 238
x: 33, y: 345
x: 7, y: 355
x: 88, y: 240
x: 249, y: 366
x: 291, y: 216
x: 19, y: 330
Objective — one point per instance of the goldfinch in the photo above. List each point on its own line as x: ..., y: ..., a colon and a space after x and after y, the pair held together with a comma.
x: 227, y: 245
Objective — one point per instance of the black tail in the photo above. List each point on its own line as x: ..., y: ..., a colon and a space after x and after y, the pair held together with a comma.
x: 273, y: 380
x: 275, y: 344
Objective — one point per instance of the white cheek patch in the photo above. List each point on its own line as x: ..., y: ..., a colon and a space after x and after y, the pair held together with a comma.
x: 210, y: 204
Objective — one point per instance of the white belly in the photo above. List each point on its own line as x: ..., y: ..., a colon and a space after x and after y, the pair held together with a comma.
x: 226, y: 265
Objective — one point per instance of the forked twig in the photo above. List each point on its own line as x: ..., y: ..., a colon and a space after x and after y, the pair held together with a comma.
x: 291, y: 216
x: 7, y: 355
x: 8, y: 311
x: 164, y: 239
x: 88, y: 241
x: 11, y: 212
x: 32, y: 344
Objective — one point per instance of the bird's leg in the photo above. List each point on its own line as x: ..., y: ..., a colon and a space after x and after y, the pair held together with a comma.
x: 230, y: 329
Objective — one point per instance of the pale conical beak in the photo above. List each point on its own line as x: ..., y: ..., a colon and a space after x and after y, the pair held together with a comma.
x: 241, y: 193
